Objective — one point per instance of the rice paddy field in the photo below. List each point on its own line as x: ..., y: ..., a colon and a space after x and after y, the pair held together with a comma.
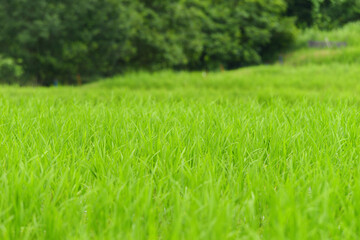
x: 269, y: 152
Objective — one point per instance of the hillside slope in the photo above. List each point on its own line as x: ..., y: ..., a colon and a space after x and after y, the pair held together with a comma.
x: 303, y: 55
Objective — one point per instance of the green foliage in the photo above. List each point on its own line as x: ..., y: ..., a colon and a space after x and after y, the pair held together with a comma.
x: 330, y: 14
x: 240, y: 33
x: 302, y: 10
x: 59, y: 39
x: 10, y: 71
x: 62, y: 39
x: 65, y: 39
x: 324, y: 14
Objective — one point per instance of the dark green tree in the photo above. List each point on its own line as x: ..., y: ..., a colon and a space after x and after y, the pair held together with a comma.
x: 324, y: 14
x: 60, y: 39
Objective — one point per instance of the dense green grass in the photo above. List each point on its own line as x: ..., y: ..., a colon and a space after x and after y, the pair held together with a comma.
x: 267, y: 152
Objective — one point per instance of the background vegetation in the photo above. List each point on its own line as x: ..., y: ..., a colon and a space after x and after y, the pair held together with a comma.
x: 323, y: 14
x: 74, y: 41
x: 350, y: 33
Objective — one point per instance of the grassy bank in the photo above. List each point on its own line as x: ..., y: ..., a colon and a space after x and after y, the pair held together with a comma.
x: 308, y: 56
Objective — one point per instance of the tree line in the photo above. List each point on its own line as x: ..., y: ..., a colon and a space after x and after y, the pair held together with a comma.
x: 65, y: 40
x: 324, y: 14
